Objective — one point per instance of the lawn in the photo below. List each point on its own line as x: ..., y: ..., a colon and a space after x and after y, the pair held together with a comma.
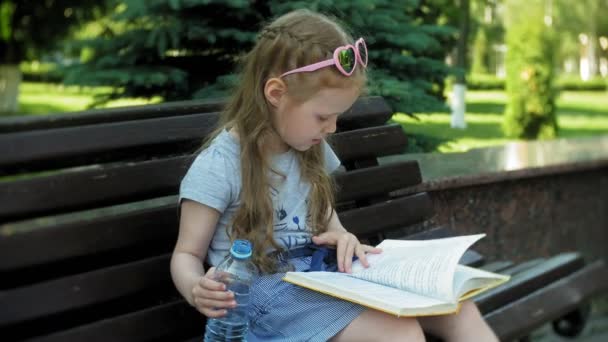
x: 45, y: 98
x: 579, y: 114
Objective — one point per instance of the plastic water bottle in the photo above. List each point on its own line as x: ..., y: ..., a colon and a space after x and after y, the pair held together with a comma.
x: 237, y: 272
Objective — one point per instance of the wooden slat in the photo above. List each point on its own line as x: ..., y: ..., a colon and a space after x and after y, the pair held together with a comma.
x: 126, y: 182
x: 528, y: 264
x: 171, y: 321
x: 101, y: 142
x: 90, y: 188
x: 368, y: 182
x: 93, y: 236
x: 497, y: 266
x: 369, y: 142
x: 529, y: 280
x: 31, y: 247
x: 366, y: 111
x: 387, y: 215
x: 431, y: 233
x: 58, y: 147
x: 73, y: 292
x: 519, y: 317
x: 106, y: 115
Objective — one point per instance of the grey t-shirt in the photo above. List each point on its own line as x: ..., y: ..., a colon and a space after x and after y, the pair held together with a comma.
x: 214, y: 179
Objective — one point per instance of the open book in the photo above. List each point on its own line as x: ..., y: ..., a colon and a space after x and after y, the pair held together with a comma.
x: 409, y: 278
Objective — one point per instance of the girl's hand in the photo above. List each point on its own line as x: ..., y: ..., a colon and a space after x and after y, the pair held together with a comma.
x: 210, y: 296
x: 347, y: 245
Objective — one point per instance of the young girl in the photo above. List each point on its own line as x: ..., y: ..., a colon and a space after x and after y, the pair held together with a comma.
x: 264, y: 176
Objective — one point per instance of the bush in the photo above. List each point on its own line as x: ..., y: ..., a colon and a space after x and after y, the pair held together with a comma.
x: 530, y: 110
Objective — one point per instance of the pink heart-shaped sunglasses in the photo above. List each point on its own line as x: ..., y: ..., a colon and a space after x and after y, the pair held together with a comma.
x: 345, y: 58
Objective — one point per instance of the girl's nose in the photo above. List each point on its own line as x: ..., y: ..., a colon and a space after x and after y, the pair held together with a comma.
x: 331, y: 125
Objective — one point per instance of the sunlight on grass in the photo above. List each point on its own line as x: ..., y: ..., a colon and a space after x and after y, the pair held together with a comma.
x: 47, y: 98
x: 579, y: 114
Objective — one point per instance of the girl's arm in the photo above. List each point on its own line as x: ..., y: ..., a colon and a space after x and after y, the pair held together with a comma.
x: 196, y: 229
x: 334, y: 224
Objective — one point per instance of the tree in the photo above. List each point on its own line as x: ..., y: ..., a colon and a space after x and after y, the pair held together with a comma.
x: 28, y: 28
x: 187, y: 49
x: 167, y: 48
x: 581, y: 20
x: 530, y: 110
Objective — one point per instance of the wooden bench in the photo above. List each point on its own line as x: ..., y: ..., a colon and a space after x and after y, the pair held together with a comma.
x: 88, y: 220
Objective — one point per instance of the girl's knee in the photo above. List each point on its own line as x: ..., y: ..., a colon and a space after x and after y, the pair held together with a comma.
x: 469, y: 311
x: 374, y: 325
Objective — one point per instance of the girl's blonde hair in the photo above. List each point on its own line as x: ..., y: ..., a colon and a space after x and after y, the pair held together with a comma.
x: 293, y: 40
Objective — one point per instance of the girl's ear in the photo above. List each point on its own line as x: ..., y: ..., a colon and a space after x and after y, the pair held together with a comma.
x: 274, y: 91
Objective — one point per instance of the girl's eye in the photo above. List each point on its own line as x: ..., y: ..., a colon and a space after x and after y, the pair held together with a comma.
x: 322, y: 118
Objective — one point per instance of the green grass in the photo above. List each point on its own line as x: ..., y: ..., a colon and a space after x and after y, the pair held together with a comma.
x: 46, y: 98
x: 579, y: 114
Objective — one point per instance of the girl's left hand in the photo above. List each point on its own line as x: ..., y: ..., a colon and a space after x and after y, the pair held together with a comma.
x: 347, y: 245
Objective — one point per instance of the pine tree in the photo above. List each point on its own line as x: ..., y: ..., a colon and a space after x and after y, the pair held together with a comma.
x: 182, y: 49
x: 406, y: 47
x: 167, y: 48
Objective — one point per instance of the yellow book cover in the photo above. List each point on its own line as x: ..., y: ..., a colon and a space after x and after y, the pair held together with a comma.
x: 409, y: 278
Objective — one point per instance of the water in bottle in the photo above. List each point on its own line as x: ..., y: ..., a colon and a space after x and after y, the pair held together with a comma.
x: 237, y: 272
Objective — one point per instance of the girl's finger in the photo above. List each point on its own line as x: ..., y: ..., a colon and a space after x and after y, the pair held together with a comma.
x: 360, y: 252
x: 210, y: 313
x: 216, y: 295
x: 214, y: 304
x: 211, y: 285
x: 340, y: 256
x: 348, y: 255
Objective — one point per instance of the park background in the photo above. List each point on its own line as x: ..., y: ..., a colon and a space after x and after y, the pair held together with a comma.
x: 535, y: 72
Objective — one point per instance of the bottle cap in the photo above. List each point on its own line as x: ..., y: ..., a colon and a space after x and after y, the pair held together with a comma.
x: 241, y: 249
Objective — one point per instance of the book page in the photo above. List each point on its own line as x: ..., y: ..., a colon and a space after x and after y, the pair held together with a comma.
x: 374, y: 295
x: 423, y: 267
x: 467, y: 279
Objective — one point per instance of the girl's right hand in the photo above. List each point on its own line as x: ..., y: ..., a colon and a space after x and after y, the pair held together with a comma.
x: 210, y: 296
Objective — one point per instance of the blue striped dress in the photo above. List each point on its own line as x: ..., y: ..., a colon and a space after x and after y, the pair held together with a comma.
x: 281, y: 311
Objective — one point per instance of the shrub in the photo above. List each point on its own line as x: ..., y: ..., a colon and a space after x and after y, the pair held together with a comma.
x: 530, y: 110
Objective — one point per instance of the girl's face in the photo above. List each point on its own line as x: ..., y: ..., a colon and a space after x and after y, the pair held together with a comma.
x: 300, y: 126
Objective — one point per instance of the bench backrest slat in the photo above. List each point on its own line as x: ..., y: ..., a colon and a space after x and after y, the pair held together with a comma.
x: 124, y: 182
x: 387, y: 215
x: 72, y: 292
x: 65, y: 146
x: 174, y: 321
x: 365, y: 112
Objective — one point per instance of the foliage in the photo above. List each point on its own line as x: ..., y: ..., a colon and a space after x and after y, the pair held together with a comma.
x: 562, y: 82
x: 530, y: 111
x: 30, y: 27
x: 189, y: 48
